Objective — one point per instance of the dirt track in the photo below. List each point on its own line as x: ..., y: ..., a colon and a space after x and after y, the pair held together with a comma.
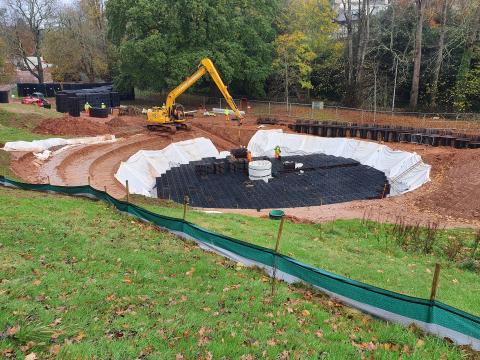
x: 452, y: 198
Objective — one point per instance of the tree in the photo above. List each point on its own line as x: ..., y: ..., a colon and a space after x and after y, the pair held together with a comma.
x: 293, y: 62
x: 357, y: 41
x: 304, y: 46
x: 160, y: 42
x: 467, y: 90
x: 28, y: 19
x: 6, y: 67
x: 440, y: 54
x: 82, y: 26
x: 417, y: 57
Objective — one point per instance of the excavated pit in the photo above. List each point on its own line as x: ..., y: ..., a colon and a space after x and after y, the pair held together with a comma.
x: 224, y: 183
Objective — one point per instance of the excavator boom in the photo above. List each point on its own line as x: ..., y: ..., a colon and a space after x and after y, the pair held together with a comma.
x: 206, y: 65
x: 170, y: 114
x: 180, y: 89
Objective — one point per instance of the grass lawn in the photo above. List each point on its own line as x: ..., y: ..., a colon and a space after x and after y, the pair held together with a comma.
x: 79, y: 280
x: 362, y: 251
x: 17, y: 121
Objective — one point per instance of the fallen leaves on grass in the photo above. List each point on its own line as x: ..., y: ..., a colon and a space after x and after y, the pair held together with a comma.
x: 231, y: 287
x: 56, y: 322
x: 305, y: 313
x: 25, y: 348
x: 8, y: 353
x: 55, y: 349
x: 11, y: 331
x: 202, y: 338
x: 190, y: 272
x: 31, y: 356
x: 272, y: 342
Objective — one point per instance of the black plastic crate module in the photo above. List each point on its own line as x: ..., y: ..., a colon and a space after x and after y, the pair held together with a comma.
x: 224, y: 183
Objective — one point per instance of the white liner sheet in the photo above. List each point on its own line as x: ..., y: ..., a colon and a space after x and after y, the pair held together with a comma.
x: 405, y: 171
x: 39, y: 146
x: 142, y: 169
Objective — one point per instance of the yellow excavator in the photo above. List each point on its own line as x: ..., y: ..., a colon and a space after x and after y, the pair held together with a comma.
x: 171, y: 116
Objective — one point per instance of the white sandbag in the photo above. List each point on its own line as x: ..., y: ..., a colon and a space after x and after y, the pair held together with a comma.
x: 39, y: 146
x: 405, y: 171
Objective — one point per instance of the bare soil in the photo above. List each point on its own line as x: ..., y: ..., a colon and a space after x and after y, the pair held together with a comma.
x: 451, y: 199
x: 71, y: 126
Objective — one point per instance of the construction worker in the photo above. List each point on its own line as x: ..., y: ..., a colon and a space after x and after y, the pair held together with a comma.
x: 103, y: 106
x: 278, y: 153
x: 249, y: 156
x: 87, y: 107
x: 227, y: 114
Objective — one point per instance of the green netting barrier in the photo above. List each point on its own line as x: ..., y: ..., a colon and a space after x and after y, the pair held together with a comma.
x: 432, y: 316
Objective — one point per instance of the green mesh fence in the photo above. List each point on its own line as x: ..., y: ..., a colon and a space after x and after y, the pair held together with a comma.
x: 432, y: 316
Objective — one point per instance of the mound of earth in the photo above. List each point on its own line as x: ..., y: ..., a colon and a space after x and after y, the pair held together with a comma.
x: 117, y: 122
x: 71, y: 126
x: 458, y: 191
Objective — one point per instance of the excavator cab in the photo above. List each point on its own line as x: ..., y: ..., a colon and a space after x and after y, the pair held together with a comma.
x: 171, y: 116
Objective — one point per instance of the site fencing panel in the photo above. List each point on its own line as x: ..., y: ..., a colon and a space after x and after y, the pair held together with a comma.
x: 467, y: 123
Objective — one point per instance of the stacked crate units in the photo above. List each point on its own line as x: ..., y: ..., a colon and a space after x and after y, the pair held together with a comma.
x: 71, y: 97
x: 73, y: 101
x: 387, y: 133
x: 297, y: 181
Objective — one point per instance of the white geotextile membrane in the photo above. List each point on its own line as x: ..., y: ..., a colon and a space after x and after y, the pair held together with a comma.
x: 405, y: 171
x: 39, y: 146
x: 142, y: 169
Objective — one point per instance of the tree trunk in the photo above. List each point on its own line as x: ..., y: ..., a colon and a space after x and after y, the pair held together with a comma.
x: 363, y: 40
x: 349, y: 69
x: 417, y: 54
x: 439, y: 59
x: 41, y: 78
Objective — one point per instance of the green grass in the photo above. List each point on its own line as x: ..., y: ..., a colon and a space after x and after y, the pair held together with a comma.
x: 362, y: 251
x: 79, y: 280
x: 18, y: 120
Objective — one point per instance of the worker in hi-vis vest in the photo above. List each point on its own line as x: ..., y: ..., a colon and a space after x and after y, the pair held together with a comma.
x: 278, y: 152
x: 86, y: 107
x: 227, y: 114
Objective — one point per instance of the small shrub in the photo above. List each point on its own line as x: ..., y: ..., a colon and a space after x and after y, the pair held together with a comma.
x: 431, y: 232
x: 476, y: 243
x: 469, y: 265
x: 453, y: 248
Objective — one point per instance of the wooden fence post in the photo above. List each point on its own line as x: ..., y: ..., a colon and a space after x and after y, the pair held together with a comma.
x: 128, y: 191
x: 185, y: 205
x: 89, y: 181
x: 436, y: 277
x: 277, y: 246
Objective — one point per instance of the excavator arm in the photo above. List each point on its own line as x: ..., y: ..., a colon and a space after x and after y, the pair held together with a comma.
x: 205, y: 65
